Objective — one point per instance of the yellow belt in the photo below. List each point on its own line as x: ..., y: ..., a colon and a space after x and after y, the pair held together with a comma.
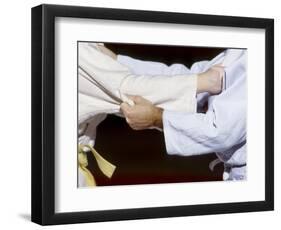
x: 105, y: 166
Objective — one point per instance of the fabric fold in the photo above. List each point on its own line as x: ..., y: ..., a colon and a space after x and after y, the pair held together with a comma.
x: 104, y: 84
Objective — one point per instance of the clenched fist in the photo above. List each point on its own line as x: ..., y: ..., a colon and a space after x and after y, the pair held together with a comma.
x: 143, y: 114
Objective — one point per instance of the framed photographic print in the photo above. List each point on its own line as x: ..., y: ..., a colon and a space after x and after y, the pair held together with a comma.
x: 143, y: 114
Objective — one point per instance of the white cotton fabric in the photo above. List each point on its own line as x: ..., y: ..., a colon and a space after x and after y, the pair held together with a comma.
x: 222, y: 129
x: 104, y: 84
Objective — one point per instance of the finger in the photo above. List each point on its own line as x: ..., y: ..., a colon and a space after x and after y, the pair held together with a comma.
x: 125, y: 108
x: 219, y: 65
x: 128, y: 121
x: 136, y: 99
x: 218, y: 69
x: 134, y: 127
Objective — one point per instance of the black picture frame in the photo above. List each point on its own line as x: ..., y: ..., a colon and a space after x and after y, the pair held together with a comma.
x: 43, y: 114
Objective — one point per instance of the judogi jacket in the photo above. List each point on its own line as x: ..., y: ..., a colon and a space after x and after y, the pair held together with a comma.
x: 103, y: 86
x: 222, y: 129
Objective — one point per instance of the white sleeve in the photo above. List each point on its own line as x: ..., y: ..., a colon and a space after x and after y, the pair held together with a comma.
x: 140, y: 67
x: 177, y: 93
x: 224, y: 124
x: 104, y: 84
x: 222, y: 127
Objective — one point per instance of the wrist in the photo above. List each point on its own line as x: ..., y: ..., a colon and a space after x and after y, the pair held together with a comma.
x: 201, y: 83
x: 157, y: 122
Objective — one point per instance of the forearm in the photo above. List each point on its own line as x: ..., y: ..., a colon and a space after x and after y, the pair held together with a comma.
x: 141, y: 67
x: 158, y: 118
x: 196, y: 134
x: 176, y: 93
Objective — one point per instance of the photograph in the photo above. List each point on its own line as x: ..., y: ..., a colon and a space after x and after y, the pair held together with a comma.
x: 150, y: 114
x: 142, y: 114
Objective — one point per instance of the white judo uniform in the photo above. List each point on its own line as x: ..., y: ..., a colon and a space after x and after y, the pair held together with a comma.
x: 103, y: 86
x: 222, y: 129
x: 104, y: 83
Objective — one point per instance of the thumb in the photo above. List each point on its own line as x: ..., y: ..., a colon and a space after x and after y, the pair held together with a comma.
x: 124, y: 107
x: 126, y: 99
x: 219, y: 65
x: 136, y: 99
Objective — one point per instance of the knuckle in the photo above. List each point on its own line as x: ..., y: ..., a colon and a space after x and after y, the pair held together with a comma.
x: 129, y: 114
x: 123, y: 108
x: 134, y: 127
x: 138, y: 98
